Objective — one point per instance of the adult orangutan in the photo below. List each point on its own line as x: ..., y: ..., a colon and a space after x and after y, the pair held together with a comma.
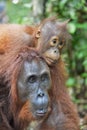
x: 25, y: 91
x: 48, y: 37
x: 28, y: 97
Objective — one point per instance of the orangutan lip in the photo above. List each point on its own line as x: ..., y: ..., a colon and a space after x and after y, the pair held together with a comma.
x: 40, y: 113
x: 51, y: 60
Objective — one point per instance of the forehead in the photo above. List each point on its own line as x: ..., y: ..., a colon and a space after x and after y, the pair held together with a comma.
x: 50, y: 27
x: 35, y: 66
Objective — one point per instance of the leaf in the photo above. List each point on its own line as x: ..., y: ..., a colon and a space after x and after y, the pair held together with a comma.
x: 70, y: 82
x: 71, y: 27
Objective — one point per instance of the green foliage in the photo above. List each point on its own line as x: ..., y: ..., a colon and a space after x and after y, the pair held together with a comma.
x: 19, y: 13
x: 71, y: 82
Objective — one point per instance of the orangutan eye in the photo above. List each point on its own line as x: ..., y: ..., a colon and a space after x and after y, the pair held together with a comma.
x: 32, y: 79
x: 61, y: 44
x: 45, y: 77
x: 54, y: 41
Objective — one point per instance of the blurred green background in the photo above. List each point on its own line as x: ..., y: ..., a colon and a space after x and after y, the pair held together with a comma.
x: 75, y: 55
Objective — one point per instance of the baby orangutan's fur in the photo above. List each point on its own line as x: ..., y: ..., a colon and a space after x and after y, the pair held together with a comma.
x: 15, y: 115
x: 48, y: 38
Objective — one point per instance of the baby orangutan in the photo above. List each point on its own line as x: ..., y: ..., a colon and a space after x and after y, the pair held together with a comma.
x: 48, y: 38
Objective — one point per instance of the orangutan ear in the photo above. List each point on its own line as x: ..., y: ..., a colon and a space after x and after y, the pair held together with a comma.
x: 63, y: 25
x: 38, y: 33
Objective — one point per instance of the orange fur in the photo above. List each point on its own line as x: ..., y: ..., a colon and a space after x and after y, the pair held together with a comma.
x: 62, y: 115
x: 15, y: 36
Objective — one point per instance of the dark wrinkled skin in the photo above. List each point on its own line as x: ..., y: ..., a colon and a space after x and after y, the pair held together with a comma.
x: 33, y: 85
